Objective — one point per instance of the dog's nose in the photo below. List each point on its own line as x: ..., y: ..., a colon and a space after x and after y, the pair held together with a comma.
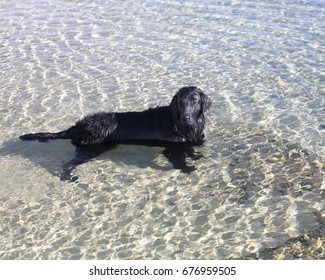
x: 186, y: 117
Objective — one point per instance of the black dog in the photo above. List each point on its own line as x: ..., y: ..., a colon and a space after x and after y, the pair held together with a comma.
x: 182, y: 121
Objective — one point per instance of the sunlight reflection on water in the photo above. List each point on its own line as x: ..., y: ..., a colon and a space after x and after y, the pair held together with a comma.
x: 260, y: 183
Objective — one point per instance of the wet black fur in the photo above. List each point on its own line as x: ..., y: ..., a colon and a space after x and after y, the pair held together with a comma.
x: 182, y: 121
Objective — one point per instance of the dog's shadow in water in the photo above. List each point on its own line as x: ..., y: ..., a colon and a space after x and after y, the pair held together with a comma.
x: 60, y: 158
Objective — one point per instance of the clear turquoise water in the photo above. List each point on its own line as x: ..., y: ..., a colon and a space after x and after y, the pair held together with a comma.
x: 261, y: 180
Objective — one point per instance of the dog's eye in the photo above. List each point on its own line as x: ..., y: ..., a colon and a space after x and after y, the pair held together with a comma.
x: 195, y: 101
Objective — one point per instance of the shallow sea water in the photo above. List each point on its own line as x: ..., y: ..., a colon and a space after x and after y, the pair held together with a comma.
x: 258, y: 190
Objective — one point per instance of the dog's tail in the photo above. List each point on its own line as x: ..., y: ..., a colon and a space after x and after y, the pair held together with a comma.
x: 45, y: 136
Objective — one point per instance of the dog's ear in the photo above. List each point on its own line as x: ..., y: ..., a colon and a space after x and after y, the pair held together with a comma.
x: 174, y: 107
x: 206, y: 103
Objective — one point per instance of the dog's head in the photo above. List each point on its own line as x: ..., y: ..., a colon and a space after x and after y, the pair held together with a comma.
x: 188, y: 107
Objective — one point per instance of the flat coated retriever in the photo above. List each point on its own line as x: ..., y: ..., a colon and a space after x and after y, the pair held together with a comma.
x: 181, y: 122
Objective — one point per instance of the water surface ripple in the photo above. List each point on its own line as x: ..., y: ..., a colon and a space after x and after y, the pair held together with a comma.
x: 258, y: 190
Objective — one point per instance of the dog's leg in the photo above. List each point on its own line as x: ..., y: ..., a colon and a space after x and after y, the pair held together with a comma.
x: 192, y: 154
x: 82, y: 155
x: 176, y: 155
